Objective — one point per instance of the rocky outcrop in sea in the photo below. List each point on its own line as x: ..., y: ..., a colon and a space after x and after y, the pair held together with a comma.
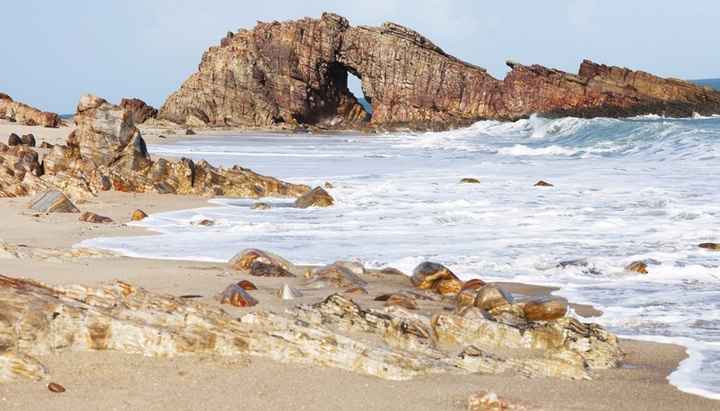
x: 295, y: 73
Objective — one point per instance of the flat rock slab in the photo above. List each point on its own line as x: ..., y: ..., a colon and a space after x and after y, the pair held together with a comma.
x: 53, y: 201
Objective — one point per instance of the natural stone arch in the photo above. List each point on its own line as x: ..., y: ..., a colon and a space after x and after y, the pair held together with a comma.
x: 296, y: 72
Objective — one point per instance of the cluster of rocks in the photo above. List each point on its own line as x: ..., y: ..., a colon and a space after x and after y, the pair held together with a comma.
x: 21, y: 113
x: 424, y: 327
x: 295, y: 73
x: 25, y: 140
x: 107, y: 152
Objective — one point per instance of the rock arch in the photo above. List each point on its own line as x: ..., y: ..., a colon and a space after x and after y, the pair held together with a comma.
x: 295, y: 72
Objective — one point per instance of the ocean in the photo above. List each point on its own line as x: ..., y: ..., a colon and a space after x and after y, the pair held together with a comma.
x: 644, y: 189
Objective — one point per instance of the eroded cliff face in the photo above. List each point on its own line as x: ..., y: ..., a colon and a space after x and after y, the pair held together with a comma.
x: 295, y: 72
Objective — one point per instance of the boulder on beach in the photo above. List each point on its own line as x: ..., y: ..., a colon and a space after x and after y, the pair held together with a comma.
x: 237, y: 296
x: 90, y: 217
x: 28, y: 140
x: 545, y: 309
x: 261, y: 269
x: 53, y: 201
x: 436, y: 277
x: 339, y: 274
x: 14, y: 140
x: 138, y: 215
x: 245, y: 258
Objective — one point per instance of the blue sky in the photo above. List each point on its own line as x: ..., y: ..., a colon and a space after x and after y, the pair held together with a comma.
x: 54, y: 51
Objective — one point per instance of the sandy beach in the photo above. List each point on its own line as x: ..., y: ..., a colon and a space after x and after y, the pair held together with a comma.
x: 112, y: 380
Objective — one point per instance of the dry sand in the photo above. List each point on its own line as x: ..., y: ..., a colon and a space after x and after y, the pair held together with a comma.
x: 110, y: 380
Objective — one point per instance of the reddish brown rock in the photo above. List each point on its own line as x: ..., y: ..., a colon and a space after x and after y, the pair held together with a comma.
x: 246, y: 285
x: 138, y: 215
x: 244, y: 259
x: 710, y: 246
x: 546, y: 309
x: 295, y: 73
x: 56, y: 388
x: 436, y: 277
x: 637, y: 267
x: 317, y: 197
x: 543, y: 183
x: 138, y: 109
x: 24, y: 114
x: 237, y: 296
x: 14, y: 140
x: 90, y: 217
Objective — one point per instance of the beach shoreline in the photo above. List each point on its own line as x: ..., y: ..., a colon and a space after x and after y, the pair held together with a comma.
x: 641, y: 383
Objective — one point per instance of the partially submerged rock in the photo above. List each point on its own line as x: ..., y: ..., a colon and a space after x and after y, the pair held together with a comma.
x: 261, y: 269
x: 710, y: 246
x: 469, y: 180
x: 53, y: 201
x: 138, y: 215
x: 637, y: 267
x: 317, y: 197
x: 261, y: 206
x: 543, y: 183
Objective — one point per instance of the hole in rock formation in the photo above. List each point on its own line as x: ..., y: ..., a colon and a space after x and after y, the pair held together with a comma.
x: 333, y: 104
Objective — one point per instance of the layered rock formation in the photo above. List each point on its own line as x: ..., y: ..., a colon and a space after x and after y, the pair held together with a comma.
x: 24, y: 114
x: 390, y: 343
x: 107, y: 152
x: 139, y: 110
x: 295, y: 72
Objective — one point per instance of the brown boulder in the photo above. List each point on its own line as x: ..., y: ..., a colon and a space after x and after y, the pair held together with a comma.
x: 491, y: 297
x: 710, y: 246
x: 637, y: 267
x: 244, y: 259
x: 28, y: 140
x: 90, y: 217
x: 543, y: 183
x: 339, y: 274
x: 138, y: 109
x: 237, y: 296
x: 546, y: 309
x: 317, y: 197
x: 14, y: 140
x: 436, y: 277
x: 469, y: 180
x: 138, y: 215
x: 261, y: 269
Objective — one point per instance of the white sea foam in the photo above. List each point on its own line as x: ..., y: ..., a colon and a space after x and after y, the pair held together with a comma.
x: 625, y: 190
